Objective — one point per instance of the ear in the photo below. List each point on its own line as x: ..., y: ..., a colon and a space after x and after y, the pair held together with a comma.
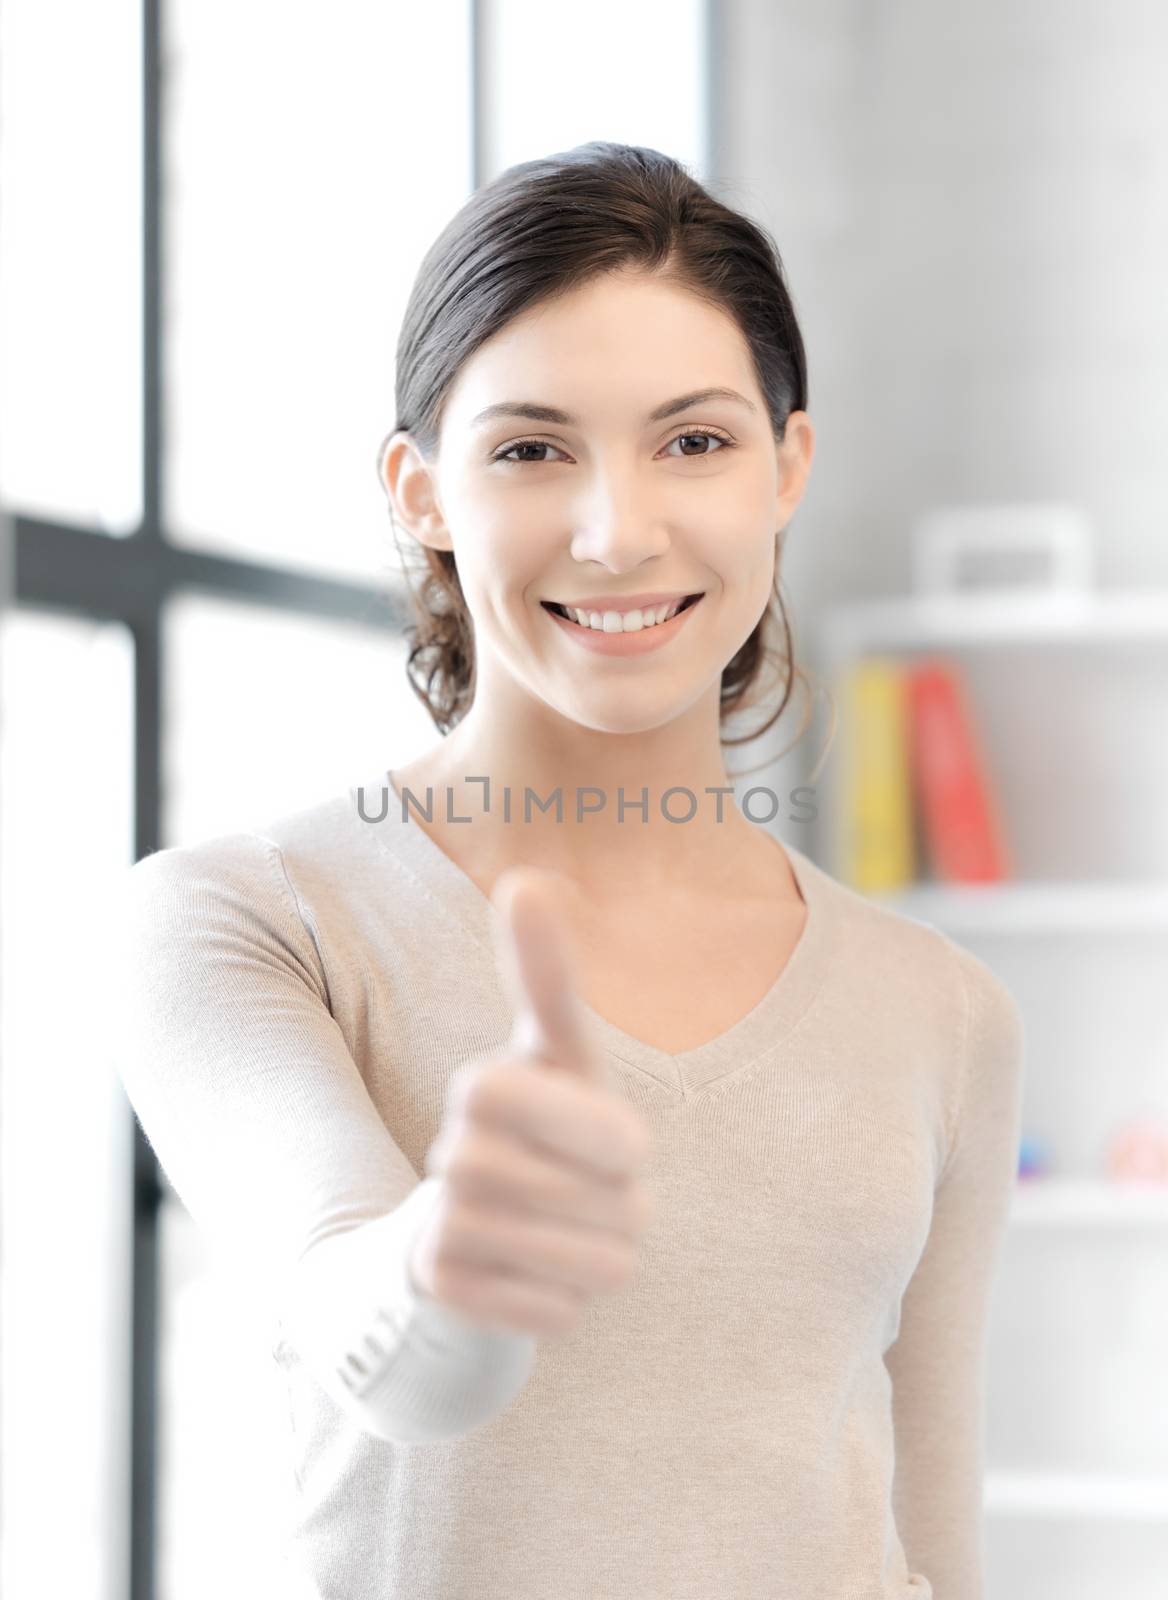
x: 412, y: 489
x: 794, y: 458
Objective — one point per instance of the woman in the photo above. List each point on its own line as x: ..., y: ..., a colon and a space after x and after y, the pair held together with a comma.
x: 691, y: 1299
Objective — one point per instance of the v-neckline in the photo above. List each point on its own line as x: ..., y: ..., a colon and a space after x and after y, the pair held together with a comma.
x: 767, y: 1024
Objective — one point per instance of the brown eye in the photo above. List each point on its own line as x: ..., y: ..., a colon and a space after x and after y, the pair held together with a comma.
x: 720, y: 439
x: 510, y: 453
x: 523, y: 444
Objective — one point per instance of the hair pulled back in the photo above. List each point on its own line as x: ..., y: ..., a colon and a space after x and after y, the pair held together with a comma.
x: 539, y: 230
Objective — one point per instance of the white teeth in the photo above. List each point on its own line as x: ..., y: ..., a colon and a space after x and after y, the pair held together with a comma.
x: 626, y: 622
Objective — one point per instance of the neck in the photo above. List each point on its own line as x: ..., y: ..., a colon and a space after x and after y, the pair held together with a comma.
x: 534, y: 760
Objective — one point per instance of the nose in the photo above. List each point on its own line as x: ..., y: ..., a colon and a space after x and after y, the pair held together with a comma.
x: 619, y: 524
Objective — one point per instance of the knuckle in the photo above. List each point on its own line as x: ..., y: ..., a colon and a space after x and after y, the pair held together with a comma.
x: 445, y: 1153
x: 490, y: 1092
x: 462, y: 1080
x: 620, y: 1267
x: 461, y: 1150
x: 435, y: 1156
x: 569, y: 1303
x: 475, y: 1088
x: 566, y: 1321
x: 446, y: 1278
x: 643, y: 1208
x: 464, y: 1165
x: 475, y: 1170
x: 460, y: 1227
x: 638, y: 1142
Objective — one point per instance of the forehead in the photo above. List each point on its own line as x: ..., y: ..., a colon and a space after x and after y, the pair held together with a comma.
x: 609, y: 350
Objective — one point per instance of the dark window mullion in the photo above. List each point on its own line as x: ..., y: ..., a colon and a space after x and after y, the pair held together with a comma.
x: 82, y: 571
x: 68, y: 568
x: 147, y: 1177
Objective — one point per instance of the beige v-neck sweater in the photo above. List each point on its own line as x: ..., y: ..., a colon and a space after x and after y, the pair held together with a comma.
x: 786, y: 1403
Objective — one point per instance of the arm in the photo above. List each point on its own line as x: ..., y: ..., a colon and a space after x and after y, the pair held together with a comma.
x: 255, y: 1108
x: 937, y: 1362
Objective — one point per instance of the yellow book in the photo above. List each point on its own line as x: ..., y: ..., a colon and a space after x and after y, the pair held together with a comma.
x: 877, y: 806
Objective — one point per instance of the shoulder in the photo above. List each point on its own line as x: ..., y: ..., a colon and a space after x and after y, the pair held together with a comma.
x: 909, y: 987
x: 994, y: 1032
x: 980, y: 1013
x: 215, y: 903
x: 224, y: 869
x: 887, y: 951
x: 985, y: 1098
x: 283, y: 857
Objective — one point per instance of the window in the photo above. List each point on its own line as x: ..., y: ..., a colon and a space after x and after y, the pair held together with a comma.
x: 66, y: 1156
x: 309, y: 165
x: 71, y: 261
x: 212, y: 219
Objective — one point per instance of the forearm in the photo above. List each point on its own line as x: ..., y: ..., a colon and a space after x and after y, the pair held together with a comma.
x: 404, y: 1367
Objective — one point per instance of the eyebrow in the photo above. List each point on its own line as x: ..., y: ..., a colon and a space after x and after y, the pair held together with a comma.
x: 540, y: 413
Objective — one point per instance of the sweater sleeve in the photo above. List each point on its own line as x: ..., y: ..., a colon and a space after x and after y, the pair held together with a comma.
x: 244, y: 1086
x: 937, y: 1361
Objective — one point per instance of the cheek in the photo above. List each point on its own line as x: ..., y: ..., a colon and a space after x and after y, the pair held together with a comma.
x: 743, y: 556
x: 503, y: 564
x: 523, y: 551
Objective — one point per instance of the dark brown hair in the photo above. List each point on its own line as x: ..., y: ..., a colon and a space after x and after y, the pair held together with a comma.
x: 540, y: 230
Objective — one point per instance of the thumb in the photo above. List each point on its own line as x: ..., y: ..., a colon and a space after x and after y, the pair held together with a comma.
x: 533, y: 949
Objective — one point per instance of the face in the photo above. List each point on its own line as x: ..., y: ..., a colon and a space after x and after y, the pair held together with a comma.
x: 613, y: 503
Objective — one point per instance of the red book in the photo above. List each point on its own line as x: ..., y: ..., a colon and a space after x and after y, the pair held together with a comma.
x: 959, y: 818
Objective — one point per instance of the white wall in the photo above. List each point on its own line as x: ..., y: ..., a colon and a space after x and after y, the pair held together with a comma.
x: 973, y: 208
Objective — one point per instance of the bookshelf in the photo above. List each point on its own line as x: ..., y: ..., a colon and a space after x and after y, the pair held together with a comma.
x: 1093, y: 627
x: 1077, y: 1494
x: 1028, y: 908
x: 1089, y: 1255
x: 1088, y: 1202
x: 1106, y: 617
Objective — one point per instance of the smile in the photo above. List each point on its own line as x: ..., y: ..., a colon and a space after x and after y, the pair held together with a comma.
x: 631, y: 621
x: 624, y: 633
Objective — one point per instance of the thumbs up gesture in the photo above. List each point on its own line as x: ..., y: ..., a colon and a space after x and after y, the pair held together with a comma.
x: 539, y: 1157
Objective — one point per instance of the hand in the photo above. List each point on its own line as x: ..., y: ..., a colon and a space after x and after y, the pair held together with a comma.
x: 538, y: 1154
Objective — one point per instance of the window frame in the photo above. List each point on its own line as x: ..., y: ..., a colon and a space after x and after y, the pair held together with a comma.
x: 84, y: 572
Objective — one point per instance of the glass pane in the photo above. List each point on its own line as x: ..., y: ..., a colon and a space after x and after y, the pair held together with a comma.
x: 649, y: 59
x: 221, y: 1510
x: 310, y: 166
x: 66, y: 1132
x: 70, y: 260
x: 266, y: 712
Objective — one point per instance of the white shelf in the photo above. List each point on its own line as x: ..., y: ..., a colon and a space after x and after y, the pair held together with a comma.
x: 1087, y: 1209
x: 1033, y: 907
x: 1116, y: 616
x: 1039, y: 1494
x: 1090, y: 1202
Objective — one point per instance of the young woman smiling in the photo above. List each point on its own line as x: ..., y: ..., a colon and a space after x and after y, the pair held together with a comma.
x: 629, y: 1190
x: 657, y: 475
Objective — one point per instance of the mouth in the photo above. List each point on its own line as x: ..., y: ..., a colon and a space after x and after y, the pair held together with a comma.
x: 562, y: 611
